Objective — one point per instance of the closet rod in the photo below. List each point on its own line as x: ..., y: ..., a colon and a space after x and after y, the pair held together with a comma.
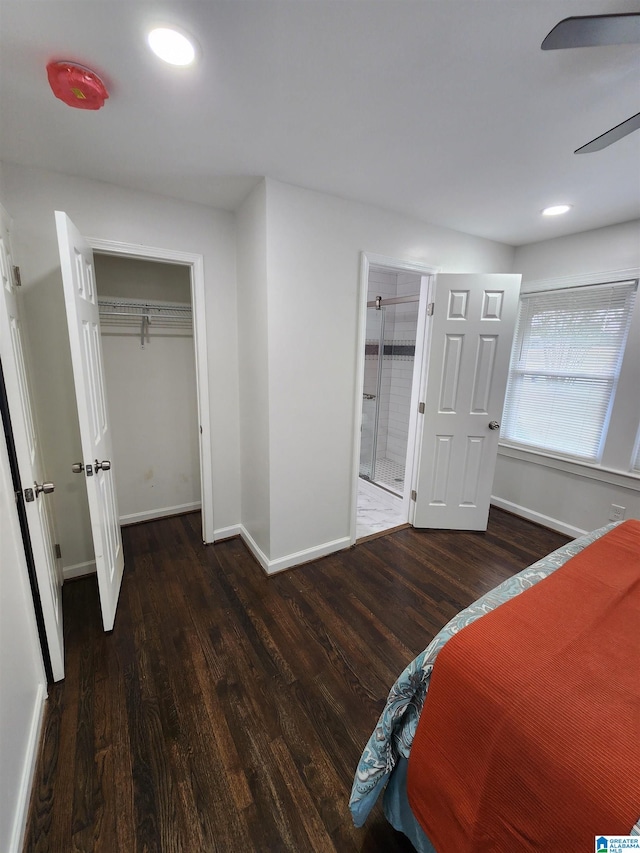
x: 139, y: 309
x: 186, y: 317
x: 166, y: 315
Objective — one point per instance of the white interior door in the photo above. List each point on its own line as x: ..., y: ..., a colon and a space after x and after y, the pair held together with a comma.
x: 76, y: 260
x: 470, y: 345
x: 37, y: 509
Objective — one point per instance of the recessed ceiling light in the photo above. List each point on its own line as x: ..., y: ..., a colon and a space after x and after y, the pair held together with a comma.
x: 556, y: 210
x: 172, y: 46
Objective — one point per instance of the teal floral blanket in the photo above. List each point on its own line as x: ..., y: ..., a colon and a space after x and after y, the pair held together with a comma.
x: 395, y: 730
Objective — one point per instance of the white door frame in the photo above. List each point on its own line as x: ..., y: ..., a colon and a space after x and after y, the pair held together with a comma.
x: 367, y: 260
x: 196, y: 269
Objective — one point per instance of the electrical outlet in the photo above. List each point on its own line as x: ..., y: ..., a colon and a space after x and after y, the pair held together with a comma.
x: 616, y: 513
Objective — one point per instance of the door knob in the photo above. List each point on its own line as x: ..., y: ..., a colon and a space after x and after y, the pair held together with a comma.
x: 77, y: 467
x: 494, y: 425
x: 105, y: 465
x: 47, y: 488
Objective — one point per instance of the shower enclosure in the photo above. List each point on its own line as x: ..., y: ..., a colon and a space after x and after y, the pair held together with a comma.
x: 388, y: 373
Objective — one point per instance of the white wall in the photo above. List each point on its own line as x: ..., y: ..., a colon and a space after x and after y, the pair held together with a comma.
x: 151, y: 393
x: 132, y: 278
x: 283, y: 366
x: 569, y: 497
x: 22, y: 678
x: 614, y: 248
x: 314, y: 247
x: 253, y: 359
x: 113, y: 213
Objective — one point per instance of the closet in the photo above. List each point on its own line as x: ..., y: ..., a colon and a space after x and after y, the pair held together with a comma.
x: 149, y: 362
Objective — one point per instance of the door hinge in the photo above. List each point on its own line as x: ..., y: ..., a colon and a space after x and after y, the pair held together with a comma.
x: 421, y: 408
x: 58, y: 551
x: 430, y: 308
x: 16, y: 277
x: 414, y: 495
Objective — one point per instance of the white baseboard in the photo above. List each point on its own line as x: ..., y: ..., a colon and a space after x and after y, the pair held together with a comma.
x: 79, y: 570
x: 252, y: 545
x: 24, y: 790
x: 150, y: 514
x: 539, y: 518
x: 227, y: 532
x: 272, y: 567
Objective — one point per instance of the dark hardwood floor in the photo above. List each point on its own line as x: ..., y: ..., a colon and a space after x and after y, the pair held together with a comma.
x: 227, y: 710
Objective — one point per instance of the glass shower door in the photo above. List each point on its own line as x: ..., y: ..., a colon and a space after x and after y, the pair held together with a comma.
x: 371, y: 391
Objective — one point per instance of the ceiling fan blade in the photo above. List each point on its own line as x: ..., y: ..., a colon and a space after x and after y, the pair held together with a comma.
x: 593, y: 30
x: 611, y: 136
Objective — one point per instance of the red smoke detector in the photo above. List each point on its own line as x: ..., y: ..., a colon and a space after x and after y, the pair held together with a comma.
x: 76, y: 85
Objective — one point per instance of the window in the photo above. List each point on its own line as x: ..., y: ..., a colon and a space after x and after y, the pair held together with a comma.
x: 635, y: 464
x: 566, y: 357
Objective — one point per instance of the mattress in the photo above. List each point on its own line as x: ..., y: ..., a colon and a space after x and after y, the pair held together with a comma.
x: 529, y: 738
x: 383, y: 761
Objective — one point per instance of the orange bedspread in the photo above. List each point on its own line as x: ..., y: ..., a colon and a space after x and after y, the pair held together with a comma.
x: 529, y: 739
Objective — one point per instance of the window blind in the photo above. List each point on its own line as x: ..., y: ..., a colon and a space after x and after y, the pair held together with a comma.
x: 635, y: 465
x: 566, y: 357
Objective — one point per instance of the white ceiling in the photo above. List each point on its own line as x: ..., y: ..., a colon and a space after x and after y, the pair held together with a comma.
x: 446, y: 110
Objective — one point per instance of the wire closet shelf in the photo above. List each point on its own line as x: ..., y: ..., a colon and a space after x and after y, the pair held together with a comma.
x: 149, y: 316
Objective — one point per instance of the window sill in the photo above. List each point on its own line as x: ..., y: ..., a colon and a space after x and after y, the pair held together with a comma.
x: 625, y: 479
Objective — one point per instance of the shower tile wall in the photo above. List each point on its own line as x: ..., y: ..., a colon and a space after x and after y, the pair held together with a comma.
x: 397, y: 372
x: 380, y: 284
x: 405, y: 326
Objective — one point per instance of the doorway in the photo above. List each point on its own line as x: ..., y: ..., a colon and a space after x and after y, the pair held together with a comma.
x: 388, y: 373
x: 146, y: 330
x: 392, y: 358
x: 192, y: 297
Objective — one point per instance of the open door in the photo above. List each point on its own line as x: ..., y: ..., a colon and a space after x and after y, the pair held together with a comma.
x: 76, y: 260
x: 470, y: 345
x: 34, y: 490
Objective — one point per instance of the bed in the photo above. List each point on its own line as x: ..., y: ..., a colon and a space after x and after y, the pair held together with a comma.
x: 483, y: 752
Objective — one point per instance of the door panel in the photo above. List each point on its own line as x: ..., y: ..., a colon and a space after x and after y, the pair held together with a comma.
x: 76, y: 260
x: 39, y: 512
x: 20, y: 372
x: 470, y: 344
x: 485, y: 365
